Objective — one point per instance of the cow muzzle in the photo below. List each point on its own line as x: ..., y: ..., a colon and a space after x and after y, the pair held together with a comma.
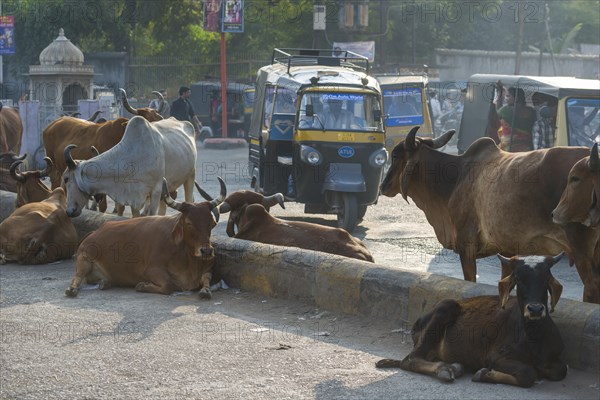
x: 534, y: 311
x: 205, y: 251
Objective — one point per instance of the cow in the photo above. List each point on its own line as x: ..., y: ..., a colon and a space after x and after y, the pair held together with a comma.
x: 256, y: 224
x: 29, y: 186
x: 68, y: 130
x: 580, y: 202
x: 236, y: 200
x: 489, y: 201
x: 132, y: 171
x: 503, y: 340
x: 155, y: 254
x: 6, y: 161
x: 11, y: 130
x: 38, y: 233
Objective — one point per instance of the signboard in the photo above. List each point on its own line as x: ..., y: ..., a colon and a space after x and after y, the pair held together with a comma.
x: 403, y: 107
x: 319, y: 18
x: 7, y: 34
x: 233, y: 16
x: 366, y: 49
x: 211, y: 21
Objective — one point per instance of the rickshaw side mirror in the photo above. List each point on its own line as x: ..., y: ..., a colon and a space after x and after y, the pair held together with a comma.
x: 377, y: 115
x: 310, y: 111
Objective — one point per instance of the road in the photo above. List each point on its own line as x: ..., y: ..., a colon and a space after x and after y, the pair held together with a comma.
x: 396, y: 233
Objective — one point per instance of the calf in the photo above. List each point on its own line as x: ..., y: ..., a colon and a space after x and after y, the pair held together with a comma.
x: 580, y: 201
x: 155, y: 254
x: 38, y: 233
x: 256, y: 224
x: 512, y: 341
x: 29, y: 186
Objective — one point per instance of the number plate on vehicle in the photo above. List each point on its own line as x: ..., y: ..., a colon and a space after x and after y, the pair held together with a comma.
x: 346, y: 137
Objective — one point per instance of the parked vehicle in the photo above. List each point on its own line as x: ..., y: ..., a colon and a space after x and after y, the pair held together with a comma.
x: 577, y: 116
x: 298, y: 147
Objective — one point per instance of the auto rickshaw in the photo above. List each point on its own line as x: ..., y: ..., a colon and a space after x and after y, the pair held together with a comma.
x: 299, y: 148
x: 405, y: 105
x: 575, y: 106
x: 205, y: 99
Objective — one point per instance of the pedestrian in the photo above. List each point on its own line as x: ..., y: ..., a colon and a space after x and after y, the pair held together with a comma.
x: 155, y: 104
x: 516, y: 121
x: 183, y: 110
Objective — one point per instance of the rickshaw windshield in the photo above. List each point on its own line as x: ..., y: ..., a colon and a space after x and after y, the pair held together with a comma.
x: 403, y: 106
x: 583, y: 121
x: 339, y: 111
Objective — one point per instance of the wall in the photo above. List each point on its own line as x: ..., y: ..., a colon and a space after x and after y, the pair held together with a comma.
x: 459, y: 65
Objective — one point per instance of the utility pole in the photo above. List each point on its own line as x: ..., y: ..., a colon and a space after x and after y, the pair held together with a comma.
x: 521, y: 21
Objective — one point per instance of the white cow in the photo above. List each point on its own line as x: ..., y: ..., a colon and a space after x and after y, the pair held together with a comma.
x: 131, y: 172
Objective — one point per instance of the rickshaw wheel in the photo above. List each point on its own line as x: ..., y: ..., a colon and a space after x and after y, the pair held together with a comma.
x: 362, y: 210
x: 347, y: 217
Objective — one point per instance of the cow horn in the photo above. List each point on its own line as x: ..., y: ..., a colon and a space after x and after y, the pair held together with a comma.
x: 215, y: 212
x: 205, y: 195
x: 553, y: 260
x: 162, y: 101
x: 67, y: 156
x: 224, y: 207
x: 270, y: 201
x: 95, y: 151
x: 443, y: 139
x: 410, y: 140
x: 594, y: 162
x: 126, y: 103
x: 166, y: 197
x: 17, y: 176
x: 222, y: 194
x: 94, y: 116
x: 75, y: 114
x: 49, y: 165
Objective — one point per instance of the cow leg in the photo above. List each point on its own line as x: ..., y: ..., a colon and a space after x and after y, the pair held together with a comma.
x: 83, y: 268
x: 554, y: 371
x: 159, y: 282
x: 188, y: 190
x: 205, y: 292
x: 469, y: 266
x: 429, y: 331
x: 516, y: 374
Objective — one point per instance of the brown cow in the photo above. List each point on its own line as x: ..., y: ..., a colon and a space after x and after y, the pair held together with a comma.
x: 580, y: 202
x: 256, y: 224
x: 155, y: 254
x: 489, y: 201
x: 38, y: 233
x: 29, y: 187
x: 11, y: 130
x: 238, y: 199
x: 512, y: 341
x: 85, y: 134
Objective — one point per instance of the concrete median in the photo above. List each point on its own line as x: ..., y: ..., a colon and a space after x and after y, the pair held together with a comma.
x: 356, y: 287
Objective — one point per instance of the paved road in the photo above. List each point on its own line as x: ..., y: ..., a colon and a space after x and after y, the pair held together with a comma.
x: 120, y: 344
x: 396, y: 233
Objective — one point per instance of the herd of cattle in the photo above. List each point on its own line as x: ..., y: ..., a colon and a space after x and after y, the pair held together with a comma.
x: 480, y: 203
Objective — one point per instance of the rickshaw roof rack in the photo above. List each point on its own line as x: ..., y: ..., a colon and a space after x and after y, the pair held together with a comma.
x: 292, y: 57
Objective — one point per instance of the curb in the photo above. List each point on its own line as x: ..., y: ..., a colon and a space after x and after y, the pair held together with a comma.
x: 361, y: 288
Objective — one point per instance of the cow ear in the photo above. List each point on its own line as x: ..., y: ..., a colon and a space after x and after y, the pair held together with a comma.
x: 504, y: 288
x: 177, y: 232
x: 555, y: 289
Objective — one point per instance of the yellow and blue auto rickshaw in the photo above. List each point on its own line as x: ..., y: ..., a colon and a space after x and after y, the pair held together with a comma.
x: 575, y: 107
x: 406, y: 105
x: 317, y: 132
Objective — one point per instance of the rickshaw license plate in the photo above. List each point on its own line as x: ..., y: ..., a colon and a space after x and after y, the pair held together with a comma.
x: 346, y: 137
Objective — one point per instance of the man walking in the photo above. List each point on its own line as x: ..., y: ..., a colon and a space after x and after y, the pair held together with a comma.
x: 183, y: 110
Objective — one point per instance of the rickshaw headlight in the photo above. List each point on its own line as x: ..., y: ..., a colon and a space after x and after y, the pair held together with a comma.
x: 310, y: 156
x: 379, y: 158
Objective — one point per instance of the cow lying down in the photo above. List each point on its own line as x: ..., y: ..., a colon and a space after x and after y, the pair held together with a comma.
x: 255, y: 223
x: 154, y: 254
x: 240, y: 198
x: 512, y: 341
x: 39, y: 232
